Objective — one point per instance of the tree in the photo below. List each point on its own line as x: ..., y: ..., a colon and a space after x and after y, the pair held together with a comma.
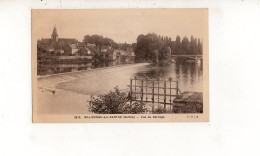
x: 192, y: 46
x: 185, y: 45
x: 124, y: 46
x: 134, y: 46
x: 99, y: 40
x: 146, y: 46
x: 195, y: 46
x: 177, y: 45
x: 115, y: 102
x: 200, y: 48
x: 164, y: 53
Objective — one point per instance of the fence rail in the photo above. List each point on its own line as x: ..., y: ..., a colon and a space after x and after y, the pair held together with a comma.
x: 154, y: 91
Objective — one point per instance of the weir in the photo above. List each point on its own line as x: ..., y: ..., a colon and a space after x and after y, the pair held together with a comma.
x: 162, y: 92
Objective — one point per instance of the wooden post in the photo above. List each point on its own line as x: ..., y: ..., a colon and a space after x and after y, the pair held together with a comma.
x: 177, y: 88
x: 153, y: 97
x: 130, y: 91
x: 142, y: 90
x: 135, y: 89
x: 158, y: 91
x: 146, y: 90
x: 164, y: 94
x: 170, y: 94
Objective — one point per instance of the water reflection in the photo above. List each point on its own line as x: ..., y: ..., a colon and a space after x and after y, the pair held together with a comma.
x: 189, y: 75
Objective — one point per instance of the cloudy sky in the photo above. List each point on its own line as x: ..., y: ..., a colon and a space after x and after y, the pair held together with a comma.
x: 120, y: 25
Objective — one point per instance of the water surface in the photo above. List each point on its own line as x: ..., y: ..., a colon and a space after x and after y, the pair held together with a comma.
x: 189, y: 76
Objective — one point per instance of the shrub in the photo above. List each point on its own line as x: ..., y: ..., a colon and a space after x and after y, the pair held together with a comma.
x: 159, y: 110
x: 115, y: 102
x: 188, y: 108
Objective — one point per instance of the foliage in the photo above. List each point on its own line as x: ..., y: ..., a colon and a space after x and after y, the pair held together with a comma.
x: 159, y: 110
x: 187, y: 47
x: 124, y: 46
x: 99, y: 40
x: 149, y: 45
x: 185, y: 108
x: 164, y: 53
x: 188, y: 108
x: 115, y: 102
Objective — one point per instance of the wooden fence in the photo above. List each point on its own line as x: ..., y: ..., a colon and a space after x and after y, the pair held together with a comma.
x: 154, y: 91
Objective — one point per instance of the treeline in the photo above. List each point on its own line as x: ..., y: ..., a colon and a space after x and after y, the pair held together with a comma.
x: 100, y: 41
x: 147, y: 46
x: 150, y: 42
x: 187, y: 47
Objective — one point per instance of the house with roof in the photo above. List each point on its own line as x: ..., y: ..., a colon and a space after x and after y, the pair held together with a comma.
x: 85, y: 51
x: 130, y: 51
x: 66, y: 46
x: 91, y: 45
x: 108, y: 54
x: 70, y: 49
x: 105, y: 49
x: 111, y: 55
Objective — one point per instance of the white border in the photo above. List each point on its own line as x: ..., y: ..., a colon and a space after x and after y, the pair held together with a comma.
x: 234, y: 90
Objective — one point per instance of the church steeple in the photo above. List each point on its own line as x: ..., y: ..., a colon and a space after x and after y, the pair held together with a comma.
x: 54, y: 35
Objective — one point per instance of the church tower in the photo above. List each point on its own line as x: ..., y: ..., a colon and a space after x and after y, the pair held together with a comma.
x: 54, y: 35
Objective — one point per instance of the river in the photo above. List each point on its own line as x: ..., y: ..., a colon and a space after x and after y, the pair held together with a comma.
x: 73, y: 88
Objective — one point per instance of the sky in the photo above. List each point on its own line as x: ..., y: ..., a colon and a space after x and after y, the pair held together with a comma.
x: 121, y: 25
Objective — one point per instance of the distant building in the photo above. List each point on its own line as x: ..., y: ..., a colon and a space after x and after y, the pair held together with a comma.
x: 105, y: 48
x: 60, y: 51
x: 91, y: 45
x: 112, y: 55
x: 108, y: 54
x: 67, y: 46
x: 120, y: 52
x: 71, y: 49
x: 85, y: 51
x: 130, y: 51
x: 54, y: 35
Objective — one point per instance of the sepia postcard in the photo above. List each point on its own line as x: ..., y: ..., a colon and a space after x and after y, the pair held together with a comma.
x: 120, y: 65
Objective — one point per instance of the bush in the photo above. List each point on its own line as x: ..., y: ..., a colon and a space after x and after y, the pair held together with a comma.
x: 115, y: 102
x: 160, y: 110
x: 188, y: 108
x: 185, y: 108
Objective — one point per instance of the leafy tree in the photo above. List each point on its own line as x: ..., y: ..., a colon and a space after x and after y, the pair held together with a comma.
x: 154, y: 48
x: 192, y: 46
x: 177, y: 45
x: 124, y: 46
x: 99, y: 41
x: 115, y: 102
x: 147, y: 45
x: 164, y: 53
x: 195, y: 46
x: 185, y: 45
x: 134, y: 46
x: 200, y: 48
